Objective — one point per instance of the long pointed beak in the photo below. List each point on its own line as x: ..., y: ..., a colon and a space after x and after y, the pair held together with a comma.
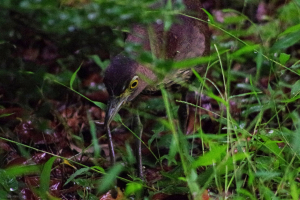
x: 113, y: 106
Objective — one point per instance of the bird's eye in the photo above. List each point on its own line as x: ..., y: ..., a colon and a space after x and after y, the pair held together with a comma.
x: 133, y: 84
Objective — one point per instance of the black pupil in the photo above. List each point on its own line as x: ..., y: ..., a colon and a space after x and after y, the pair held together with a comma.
x: 133, y: 84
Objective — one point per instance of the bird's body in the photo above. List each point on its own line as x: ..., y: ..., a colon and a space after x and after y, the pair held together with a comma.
x: 187, y: 38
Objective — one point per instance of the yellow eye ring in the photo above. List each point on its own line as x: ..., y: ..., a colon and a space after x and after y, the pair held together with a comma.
x: 134, y: 84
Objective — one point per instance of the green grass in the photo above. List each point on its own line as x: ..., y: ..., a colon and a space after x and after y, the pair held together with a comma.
x: 245, y: 142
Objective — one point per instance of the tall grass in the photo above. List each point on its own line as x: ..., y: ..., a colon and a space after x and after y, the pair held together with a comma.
x: 245, y: 140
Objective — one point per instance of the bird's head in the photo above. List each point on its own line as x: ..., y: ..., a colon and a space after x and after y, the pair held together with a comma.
x: 123, y: 80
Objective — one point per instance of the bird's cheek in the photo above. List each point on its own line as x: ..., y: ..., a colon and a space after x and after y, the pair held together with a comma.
x: 138, y: 90
x: 133, y: 95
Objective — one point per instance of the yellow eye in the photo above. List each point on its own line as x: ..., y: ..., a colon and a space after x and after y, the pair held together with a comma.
x: 133, y: 84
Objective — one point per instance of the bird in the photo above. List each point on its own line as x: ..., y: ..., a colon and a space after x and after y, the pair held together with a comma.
x: 125, y: 78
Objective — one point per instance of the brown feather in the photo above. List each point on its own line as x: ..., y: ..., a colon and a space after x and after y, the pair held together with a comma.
x: 187, y: 38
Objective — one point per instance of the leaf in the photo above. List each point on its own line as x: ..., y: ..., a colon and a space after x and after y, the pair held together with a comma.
x: 98, y: 168
x: 168, y: 18
x: 132, y: 188
x: 267, y: 175
x: 118, y: 118
x: 86, y: 181
x: 130, y: 158
x: 247, y: 86
x: 210, y: 17
x: 102, y: 64
x: 77, y: 173
x: 100, y: 105
x: 294, y: 98
x: 244, y: 50
x: 23, y: 170
x: 174, y: 149
x: 165, y: 141
x: 94, y: 136
x: 259, y: 61
x: 246, y: 193
x: 109, y: 179
x: 156, y: 130
x: 45, y: 175
x: 271, y: 145
x: 211, y: 157
x: 286, y: 41
x: 295, y: 88
x: 73, y: 77
x: 9, y: 182
x: 283, y: 58
x: 191, y: 62
x: 295, y: 144
x: 66, y: 162
x: 6, y: 114
x: 290, y: 30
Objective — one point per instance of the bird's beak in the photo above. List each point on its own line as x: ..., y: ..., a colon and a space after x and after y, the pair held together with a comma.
x: 113, y: 106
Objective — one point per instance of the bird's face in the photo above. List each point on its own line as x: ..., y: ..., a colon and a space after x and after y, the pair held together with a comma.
x: 123, y: 84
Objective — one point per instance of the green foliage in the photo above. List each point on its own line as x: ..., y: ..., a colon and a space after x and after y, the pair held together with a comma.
x: 250, y: 149
x: 77, y: 173
x: 45, y: 177
x: 109, y: 179
x: 133, y: 188
x: 57, y: 17
x: 286, y: 41
x: 8, y: 183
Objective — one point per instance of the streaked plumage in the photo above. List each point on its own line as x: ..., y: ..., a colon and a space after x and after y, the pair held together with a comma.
x: 187, y: 38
